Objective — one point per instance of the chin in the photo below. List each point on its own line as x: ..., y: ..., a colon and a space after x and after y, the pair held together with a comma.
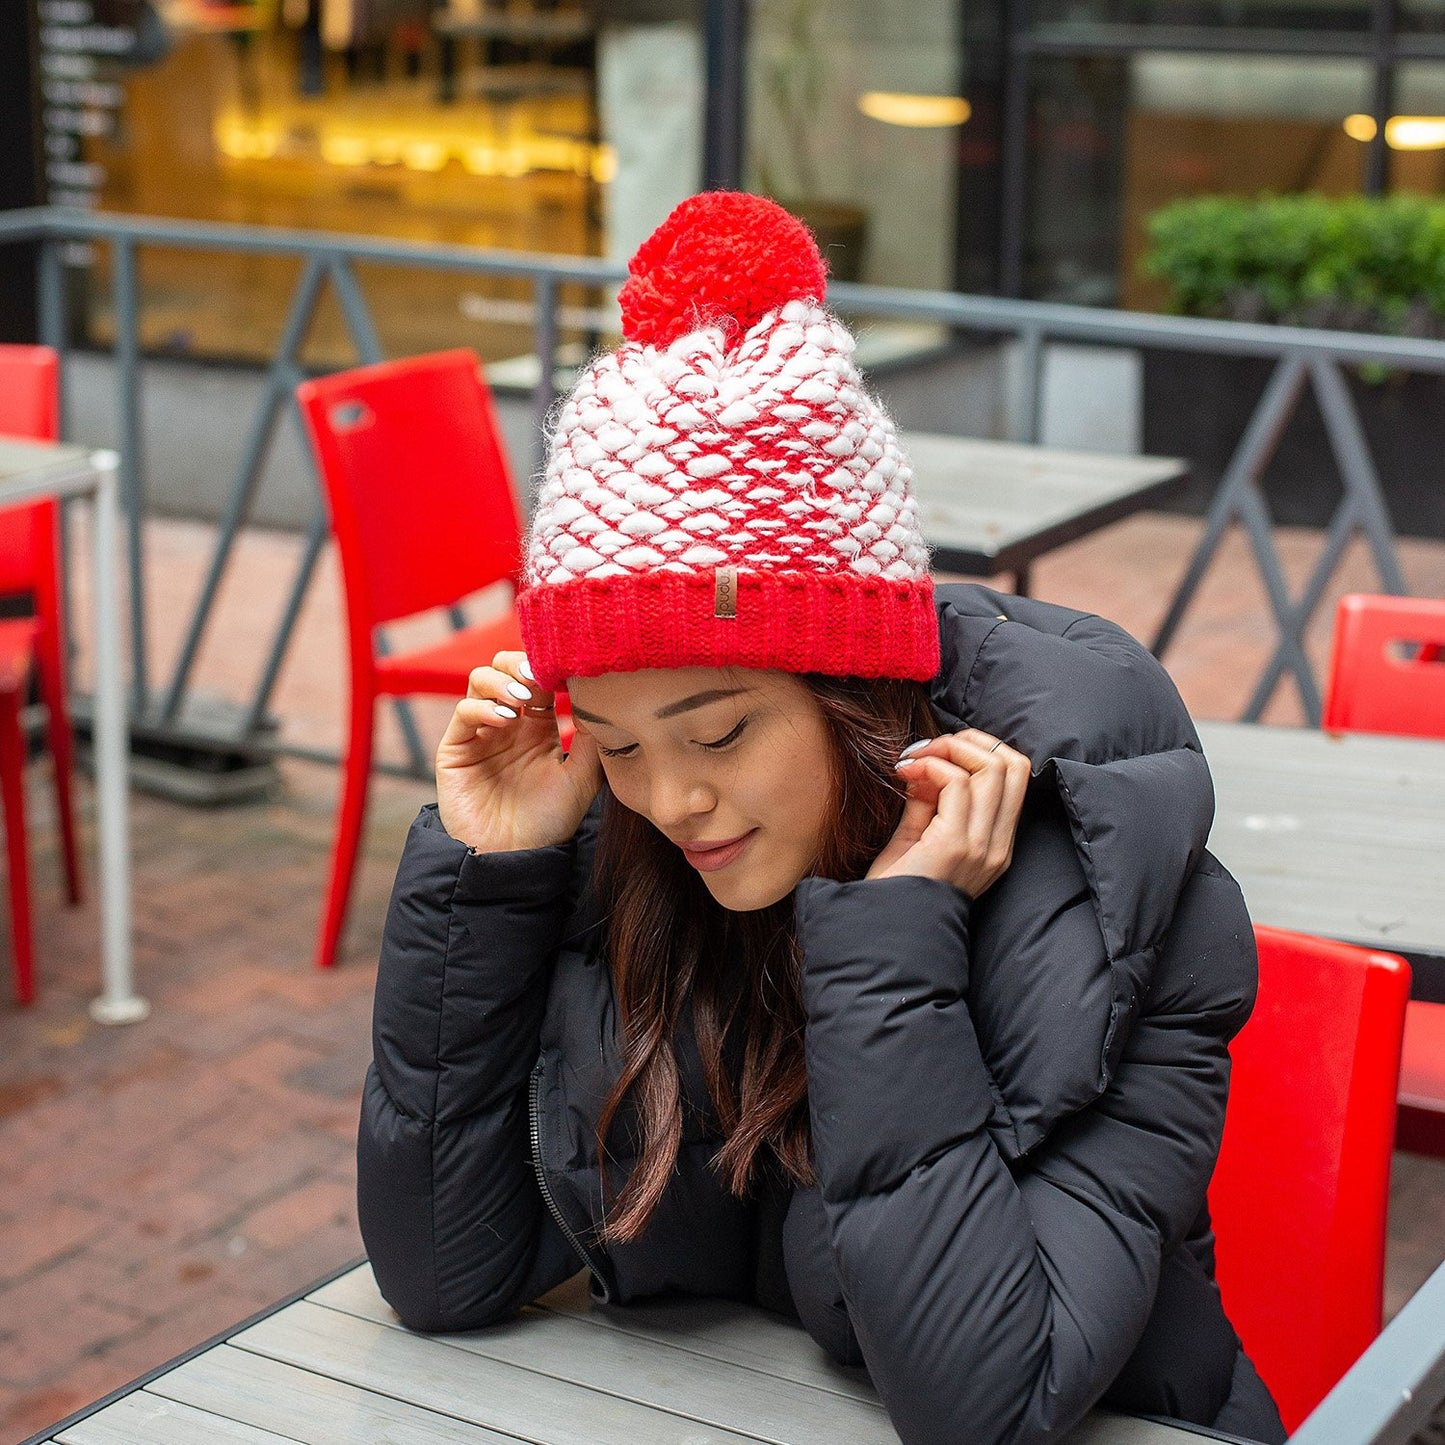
x: 747, y: 895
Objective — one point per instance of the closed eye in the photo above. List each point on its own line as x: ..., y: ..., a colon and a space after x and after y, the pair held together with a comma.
x: 626, y: 752
x: 732, y: 737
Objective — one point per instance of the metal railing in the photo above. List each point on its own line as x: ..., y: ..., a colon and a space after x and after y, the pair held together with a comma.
x: 1301, y: 359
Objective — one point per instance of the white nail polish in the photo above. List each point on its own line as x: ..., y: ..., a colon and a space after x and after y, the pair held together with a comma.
x: 525, y: 668
x: 913, y: 748
x: 520, y: 691
x: 504, y: 711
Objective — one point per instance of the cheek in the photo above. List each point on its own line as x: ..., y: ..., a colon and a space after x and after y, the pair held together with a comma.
x: 625, y: 789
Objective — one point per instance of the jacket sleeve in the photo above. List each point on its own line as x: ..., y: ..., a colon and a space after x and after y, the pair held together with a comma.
x: 449, y: 1205
x: 990, y: 1303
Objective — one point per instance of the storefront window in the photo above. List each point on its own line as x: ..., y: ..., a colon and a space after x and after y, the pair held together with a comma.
x: 1238, y: 125
x: 855, y: 119
x: 475, y: 122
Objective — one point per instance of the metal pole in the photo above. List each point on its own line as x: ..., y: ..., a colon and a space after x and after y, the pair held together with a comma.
x: 51, y: 300
x: 127, y: 352
x: 119, y: 1002
x: 545, y: 344
x: 1382, y: 99
x: 315, y: 538
x: 1014, y: 152
x: 725, y: 46
x: 280, y: 383
x: 1251, y: 456
x: 1027, y: 428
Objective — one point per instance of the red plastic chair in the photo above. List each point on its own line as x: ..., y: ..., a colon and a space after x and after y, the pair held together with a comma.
x: 1387, y: 675
x: 29, y: 563
x: 1300, y: 1193
x: 425, y: 514
x: 1386, y: 672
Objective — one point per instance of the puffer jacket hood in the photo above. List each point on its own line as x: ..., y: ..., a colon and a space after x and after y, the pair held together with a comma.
x: 1104, y: 726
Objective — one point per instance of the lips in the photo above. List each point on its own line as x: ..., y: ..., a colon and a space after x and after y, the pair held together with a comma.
x: 708, y: 858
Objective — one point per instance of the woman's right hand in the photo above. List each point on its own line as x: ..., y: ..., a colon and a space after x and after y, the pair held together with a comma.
x: 502, y: 781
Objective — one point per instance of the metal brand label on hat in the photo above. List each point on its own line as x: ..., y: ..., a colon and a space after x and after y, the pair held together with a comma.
x: 725, y: 592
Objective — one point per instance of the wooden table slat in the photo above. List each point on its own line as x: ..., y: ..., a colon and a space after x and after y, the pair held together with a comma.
x: 1339, y: 836
x: 992, y: 505
x: 714, y: 1329
x: 425, y: 1371
x: 656, y: 1374
x: 304, y: 1406
x: 144, y: 1419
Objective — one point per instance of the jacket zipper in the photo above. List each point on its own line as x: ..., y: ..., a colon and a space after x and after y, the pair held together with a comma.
x: 534, y: 1116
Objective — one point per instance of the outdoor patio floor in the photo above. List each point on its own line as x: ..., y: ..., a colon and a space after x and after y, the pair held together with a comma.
x: 166, y: 1179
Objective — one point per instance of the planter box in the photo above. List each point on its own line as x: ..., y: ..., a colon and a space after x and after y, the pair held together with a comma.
x: 1198, y: 407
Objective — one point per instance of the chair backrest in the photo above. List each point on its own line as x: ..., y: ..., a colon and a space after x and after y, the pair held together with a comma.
x: 29, y: 407
x: 421, y: 496
x: 1300, y: 1193
x: 1387, y: 670
x: 30, y: 392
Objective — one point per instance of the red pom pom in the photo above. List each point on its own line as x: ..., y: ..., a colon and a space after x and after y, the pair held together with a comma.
x: 723, y: 256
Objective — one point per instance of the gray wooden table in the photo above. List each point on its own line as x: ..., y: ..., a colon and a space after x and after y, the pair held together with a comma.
x: 988, y: 507
x: 335, y: 1368
x: 1340, y: 836
x: 29, y: 470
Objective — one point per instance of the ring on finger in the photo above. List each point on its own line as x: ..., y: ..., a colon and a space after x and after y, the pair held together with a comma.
x: 996, y: 746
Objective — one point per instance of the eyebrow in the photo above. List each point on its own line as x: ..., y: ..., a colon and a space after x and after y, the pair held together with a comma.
x: 686, y: 704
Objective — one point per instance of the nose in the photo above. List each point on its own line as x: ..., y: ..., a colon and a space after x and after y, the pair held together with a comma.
x: 674, y: 797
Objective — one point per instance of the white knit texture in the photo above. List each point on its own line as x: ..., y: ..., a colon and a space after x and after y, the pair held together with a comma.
x: 770, y: 456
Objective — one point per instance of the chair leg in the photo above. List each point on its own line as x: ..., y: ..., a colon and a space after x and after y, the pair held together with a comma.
x: 12, y: 791
x: 350, y: 815
x: 61, y: 738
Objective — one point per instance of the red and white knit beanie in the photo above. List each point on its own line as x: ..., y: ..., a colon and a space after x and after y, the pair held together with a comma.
x: 721, y: 490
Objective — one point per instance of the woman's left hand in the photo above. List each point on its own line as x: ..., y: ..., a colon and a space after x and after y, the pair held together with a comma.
x: 965, y: 793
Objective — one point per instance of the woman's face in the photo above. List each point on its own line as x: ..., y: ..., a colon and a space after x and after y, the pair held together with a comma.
x: 730, y: 765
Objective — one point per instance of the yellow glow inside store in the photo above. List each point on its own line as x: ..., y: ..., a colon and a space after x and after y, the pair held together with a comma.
x: 922, y: 111
x: 1402, y: 132
x: 245, y: 138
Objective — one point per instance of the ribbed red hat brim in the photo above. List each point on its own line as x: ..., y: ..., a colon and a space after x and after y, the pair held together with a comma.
x: 842, y: 625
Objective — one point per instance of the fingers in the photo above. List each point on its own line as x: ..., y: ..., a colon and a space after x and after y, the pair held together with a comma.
x: 500, y: 695
x: 972, y: 748
x: 974, y: 785
x: 507, y: 686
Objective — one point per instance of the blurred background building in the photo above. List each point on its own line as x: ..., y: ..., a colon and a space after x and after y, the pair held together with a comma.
x: 1012, y: 146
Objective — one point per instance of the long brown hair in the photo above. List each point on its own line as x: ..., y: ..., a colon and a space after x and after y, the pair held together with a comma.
x: 668, y: 939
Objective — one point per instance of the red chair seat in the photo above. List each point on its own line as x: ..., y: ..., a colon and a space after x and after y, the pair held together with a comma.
x: 445, y: 667
x: 1299, y: 1194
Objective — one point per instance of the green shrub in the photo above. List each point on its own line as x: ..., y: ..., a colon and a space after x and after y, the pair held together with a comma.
x: 1361, y: 263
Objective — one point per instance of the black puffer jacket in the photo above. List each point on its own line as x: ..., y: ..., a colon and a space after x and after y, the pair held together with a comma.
x: 1016, y: 1103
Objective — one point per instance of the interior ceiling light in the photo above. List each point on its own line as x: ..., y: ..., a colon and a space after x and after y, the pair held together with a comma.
x: 1402, y: 132
x: 1415, y: 132
x: 895, y: 108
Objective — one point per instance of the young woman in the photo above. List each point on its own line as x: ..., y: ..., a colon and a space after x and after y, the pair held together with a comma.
x: 863, y: 957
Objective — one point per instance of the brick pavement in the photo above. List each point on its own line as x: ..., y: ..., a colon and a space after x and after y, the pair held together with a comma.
x: 164, y: 1180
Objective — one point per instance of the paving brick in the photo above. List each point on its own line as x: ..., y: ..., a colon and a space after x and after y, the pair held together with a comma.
x: 323, y: 1203
x: 44, y: 1233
